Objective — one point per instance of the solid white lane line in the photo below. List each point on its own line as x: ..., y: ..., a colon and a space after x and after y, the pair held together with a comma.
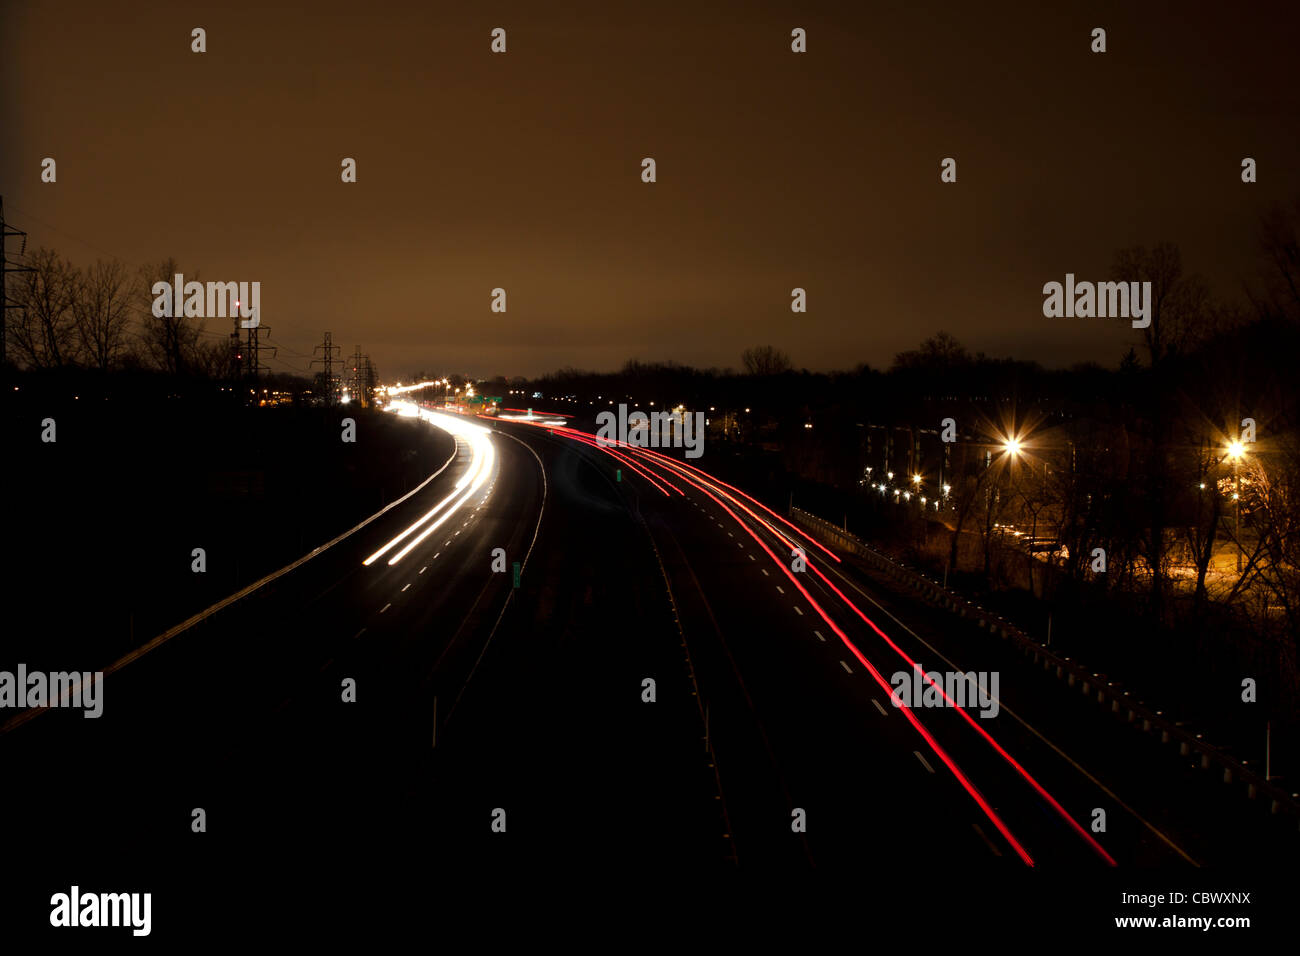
x: 1024, y: 723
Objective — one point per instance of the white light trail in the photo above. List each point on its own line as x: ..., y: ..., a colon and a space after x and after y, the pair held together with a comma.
x: 483, y: 461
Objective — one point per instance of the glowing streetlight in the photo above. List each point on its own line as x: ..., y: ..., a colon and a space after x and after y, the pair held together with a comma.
x: 1236, y: 451
x: 1011, y: 446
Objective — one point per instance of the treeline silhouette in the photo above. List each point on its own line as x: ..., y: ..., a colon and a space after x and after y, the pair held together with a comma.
x: 1049, y: 469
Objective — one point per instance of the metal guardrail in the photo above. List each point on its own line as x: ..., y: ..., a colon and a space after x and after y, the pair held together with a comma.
x: 1245, y: 780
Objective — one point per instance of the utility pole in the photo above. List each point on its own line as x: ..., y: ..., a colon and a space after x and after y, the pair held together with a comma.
x: 253, y: 367
x: 5, y: 268
x: 328, y: 348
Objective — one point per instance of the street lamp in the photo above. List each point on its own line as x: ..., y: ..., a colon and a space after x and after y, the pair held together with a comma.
x: 1236, y: 451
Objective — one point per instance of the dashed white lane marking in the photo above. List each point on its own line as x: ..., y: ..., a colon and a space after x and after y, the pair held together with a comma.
x: 846, y: 668
x: 819, y: 636
x: 751, y: 557
x: 924, y: 763
x: 765, y: 574
x: 1063, y: 755
x: 384, y: 608
x: 447, y: 542
x: 358, y: 633
x: 797, y: 611
x: 435, y: 557
x: 883, y: 712
x: 740, y: 544
x: 779, y: 590
x: 730, y: 535
x: 423, y: 569
x: 405, y: 586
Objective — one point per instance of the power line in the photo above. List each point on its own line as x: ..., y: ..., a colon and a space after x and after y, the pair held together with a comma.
x: 290, y: 365
x: 5, y: 233
x: 328, y: 348
x: 130, y: 262
x: 84, y: 242
x: 356, y: 376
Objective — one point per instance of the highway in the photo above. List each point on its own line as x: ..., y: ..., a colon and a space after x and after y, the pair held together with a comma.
x: 499, y: 725
x: 235, y: 713
x: 800, y: 715
x: 794, y: 670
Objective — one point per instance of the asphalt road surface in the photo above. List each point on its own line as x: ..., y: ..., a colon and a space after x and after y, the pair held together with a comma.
x: 466, y: 718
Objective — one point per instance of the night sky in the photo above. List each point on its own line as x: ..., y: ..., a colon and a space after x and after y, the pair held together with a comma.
x: 775, y: 170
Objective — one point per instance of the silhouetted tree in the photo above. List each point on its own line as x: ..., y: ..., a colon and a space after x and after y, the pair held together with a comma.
x: 170, y: 342
x: 765, y: 360
x: 940, y: 351
x: 102, y: 310
x: 44, y: 330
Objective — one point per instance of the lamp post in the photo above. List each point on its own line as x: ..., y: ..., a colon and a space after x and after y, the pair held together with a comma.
x: 1235, y: 451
